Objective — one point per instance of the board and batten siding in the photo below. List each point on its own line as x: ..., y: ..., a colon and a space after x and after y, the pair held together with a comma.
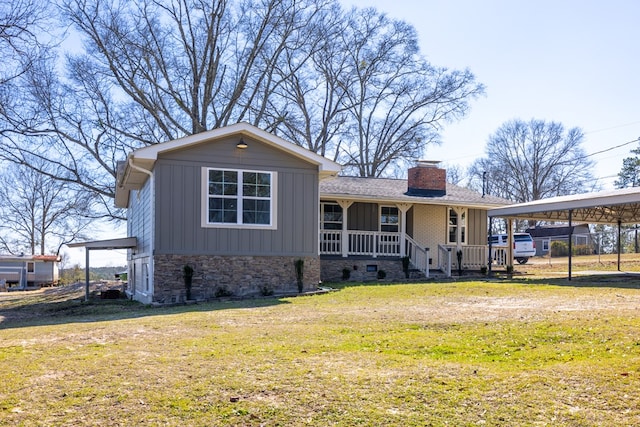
x: 477, y: 226
x: 140, y: 218
x: 179, y: 198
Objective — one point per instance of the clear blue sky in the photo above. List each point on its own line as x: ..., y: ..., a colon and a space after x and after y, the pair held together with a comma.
x: 576, y: 62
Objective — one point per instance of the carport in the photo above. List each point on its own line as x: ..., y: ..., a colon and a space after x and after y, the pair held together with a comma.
x: 605, y: 207
x: 123, y: 243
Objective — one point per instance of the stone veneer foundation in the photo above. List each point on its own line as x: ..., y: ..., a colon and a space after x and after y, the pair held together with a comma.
x: 358, y: 269
x: 237, y: 276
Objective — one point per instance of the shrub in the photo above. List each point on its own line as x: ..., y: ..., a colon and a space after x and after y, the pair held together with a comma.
x: 299, y: 264
x: 559, y: 248
x: 346, y: 273
x: 405, y: 266
x: 266, y: 290
x: 382, y: 274
x: 222, y: 291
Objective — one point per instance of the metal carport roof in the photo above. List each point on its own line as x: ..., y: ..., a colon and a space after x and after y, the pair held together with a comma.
x: 618, y: 207
x: 604, y: 207
x: 110, y: 244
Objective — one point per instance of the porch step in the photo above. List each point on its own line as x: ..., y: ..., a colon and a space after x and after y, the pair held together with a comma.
x: 414, y: 273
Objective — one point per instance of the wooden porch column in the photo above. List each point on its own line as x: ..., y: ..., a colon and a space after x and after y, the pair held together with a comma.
x: 403, y: 208
x: 344, y: 237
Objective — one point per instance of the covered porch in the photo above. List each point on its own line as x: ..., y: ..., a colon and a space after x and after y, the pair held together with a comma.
x: 341, y: 236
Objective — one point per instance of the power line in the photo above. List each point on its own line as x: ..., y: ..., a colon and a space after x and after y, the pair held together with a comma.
x: 612, y: 127
x: 609, y: 149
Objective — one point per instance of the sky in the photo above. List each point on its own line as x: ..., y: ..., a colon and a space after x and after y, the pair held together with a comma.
x: 576, y: 62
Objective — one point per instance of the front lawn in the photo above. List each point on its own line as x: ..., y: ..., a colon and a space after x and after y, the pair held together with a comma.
x: 459, y: 353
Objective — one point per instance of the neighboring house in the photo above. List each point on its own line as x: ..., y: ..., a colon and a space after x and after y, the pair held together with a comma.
x: 243, y: 207
x: 29, y: 270
x: 544, y: 235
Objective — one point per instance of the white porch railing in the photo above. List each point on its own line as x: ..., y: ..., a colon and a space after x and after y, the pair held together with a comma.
x: 330, y: 242
x: 369, y: 243
x: 499, y: 256
x: 473, y: 256
x: 444, y: 260
x: 376, y: 243
x: 418, y: 256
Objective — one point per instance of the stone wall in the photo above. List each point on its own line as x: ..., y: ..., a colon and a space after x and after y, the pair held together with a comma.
x: 361, y: 269
x: 226, y: 276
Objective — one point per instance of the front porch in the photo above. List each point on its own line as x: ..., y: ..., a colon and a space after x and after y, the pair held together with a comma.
x: 380, y: 244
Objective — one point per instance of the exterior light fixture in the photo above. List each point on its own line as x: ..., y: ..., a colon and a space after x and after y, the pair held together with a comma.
x: 242, y: 145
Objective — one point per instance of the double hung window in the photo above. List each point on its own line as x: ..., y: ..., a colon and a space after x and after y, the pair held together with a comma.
x: 389, y: 219
x: 331, y: 216
x: 239, y: 198
x: 457, y: 221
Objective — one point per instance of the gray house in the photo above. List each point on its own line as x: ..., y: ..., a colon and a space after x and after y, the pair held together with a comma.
x: 545, y: 235
x: 28, y: 270
x: 237, y: 204
x: 245, y: 209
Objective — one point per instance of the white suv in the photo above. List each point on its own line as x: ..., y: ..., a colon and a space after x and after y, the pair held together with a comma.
x: 523, y: 245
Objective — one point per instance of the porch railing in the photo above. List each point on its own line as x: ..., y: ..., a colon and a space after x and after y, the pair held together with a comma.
x: 444, y: 259
x: 418, y: 256
x: 369, y: 243
x: 330, y: 242
x: 473, y: 256
x: 499, y: 256
x: 377, y: 243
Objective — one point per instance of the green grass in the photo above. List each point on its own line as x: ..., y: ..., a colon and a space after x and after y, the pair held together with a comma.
x: 459, y: 353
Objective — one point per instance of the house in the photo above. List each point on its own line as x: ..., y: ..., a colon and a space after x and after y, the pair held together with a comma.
x: 366, y: 224
x: 544, y: 235
x: 254, y: 214
x: 28, y: 270
x: 237, y: 204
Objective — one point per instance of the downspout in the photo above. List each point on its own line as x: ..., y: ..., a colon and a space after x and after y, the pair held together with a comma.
x: 138, y: 168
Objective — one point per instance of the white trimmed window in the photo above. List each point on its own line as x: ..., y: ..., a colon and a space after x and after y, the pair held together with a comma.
x: 330, y: 216
x: 455, y: 221
x: 389, y: 219
x: 239, y: 198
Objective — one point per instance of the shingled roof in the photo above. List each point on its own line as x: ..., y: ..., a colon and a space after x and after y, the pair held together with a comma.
x: 395, y: 191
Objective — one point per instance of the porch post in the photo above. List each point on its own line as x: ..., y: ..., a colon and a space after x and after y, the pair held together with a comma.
x: 403, y: 208
x: 344, y: 237
x: 509, y: 260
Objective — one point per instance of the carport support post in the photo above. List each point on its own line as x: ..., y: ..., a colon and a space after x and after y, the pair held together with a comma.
x: 86, y: 274
x: 490, y: 257
x: 619, y: 243
x: 570, y: 241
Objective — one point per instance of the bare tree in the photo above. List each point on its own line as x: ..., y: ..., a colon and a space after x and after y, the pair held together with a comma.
x: 21, y: 22
x: 528, y: 161
x: 369, y: 100
x: 348, y: 85
x: 39, y: 214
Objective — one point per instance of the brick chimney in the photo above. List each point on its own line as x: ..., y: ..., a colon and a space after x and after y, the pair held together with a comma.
x: 426, y: 179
